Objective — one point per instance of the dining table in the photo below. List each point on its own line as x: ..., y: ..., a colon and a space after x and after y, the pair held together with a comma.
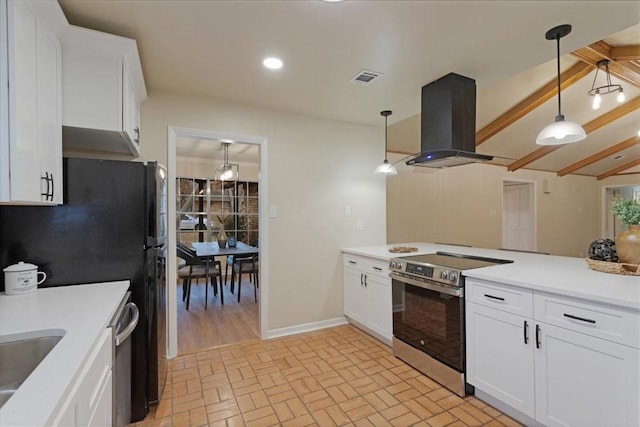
x: 209, y: 250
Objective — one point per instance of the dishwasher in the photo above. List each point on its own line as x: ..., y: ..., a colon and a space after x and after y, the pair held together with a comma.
x: 123, y: 324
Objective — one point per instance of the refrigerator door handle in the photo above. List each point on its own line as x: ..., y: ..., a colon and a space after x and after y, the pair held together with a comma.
x: 128, y: 330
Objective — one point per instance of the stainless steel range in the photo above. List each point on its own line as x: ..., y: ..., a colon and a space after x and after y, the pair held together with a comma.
x: 428, y: 313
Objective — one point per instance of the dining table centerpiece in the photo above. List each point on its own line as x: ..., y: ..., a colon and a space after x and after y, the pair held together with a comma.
x: 628, y: 242
x: 222, y: 235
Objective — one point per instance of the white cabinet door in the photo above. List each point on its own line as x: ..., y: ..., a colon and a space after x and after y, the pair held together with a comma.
x: 500, y: 358
x: 31, y: 150
x: 584, y: 381
x: 355, y: 304
x: 131, y: 107
x: 379, y: 315
x: 24, y: 179
x: 49, y: 133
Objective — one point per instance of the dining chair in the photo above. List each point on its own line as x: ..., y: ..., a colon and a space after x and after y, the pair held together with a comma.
x: 196, y: 268
x: 247, y: 265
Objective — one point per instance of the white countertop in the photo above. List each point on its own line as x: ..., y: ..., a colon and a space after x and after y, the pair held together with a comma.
x: 560, y: 275
x: 83, y: 311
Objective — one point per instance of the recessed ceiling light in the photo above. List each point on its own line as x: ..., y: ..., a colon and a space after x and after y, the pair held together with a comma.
x: 272, y: 63
x: 639, y: 133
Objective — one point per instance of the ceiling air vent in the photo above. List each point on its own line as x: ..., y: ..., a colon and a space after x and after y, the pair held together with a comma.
x: 365, y: 77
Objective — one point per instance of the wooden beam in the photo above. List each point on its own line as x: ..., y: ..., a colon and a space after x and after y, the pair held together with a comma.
x: 600, y: 155
x: 537, y: 98
x: 625, y: 53
x: 592, y: 126
x: 620, y: 168
x: 600, y: 50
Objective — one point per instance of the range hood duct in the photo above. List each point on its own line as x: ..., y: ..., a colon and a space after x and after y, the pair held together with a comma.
x: 448, y: 124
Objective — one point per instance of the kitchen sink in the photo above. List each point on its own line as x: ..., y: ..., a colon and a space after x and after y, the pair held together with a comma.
x: 20, y: 354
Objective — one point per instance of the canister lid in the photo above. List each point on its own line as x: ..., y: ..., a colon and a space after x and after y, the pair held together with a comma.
x: 20, y: 266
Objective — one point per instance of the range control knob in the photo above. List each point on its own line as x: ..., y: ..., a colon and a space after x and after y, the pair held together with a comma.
x: 452, y: 276
x: 443, y: 274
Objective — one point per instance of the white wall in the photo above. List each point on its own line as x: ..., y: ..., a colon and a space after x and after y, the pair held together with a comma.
x: 464, y: 205
x: 315, y: 167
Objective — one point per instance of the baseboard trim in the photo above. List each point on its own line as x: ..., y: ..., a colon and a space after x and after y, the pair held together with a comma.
x: 306, y: 327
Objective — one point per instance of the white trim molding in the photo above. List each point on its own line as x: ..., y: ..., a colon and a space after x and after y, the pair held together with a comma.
x: 305, y: 327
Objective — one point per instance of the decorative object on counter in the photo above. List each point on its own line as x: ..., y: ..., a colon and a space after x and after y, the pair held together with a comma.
x: 628, y: 243
x: 603, y: 250
x: 402, y: 249
x: 614, y: 267
x: 227, y: 171
x: 386, y: 168
x: 22, y: 278
x: 604, y: 89
x: 560, y: 131
x: 232, y: 242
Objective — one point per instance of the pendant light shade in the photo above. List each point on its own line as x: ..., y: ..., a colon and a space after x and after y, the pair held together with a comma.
x: 386, y: 168
x: 561, y: 131
x: 227, y: 171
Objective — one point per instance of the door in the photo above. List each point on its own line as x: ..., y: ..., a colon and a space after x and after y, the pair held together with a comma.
x: 500, y: 356
x: 573, y: 387
x: 379, y: 305
x: 518, y: 216
x: 355, y: 304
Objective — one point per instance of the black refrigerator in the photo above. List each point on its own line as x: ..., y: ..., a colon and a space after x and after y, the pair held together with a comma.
x: 112, y: 226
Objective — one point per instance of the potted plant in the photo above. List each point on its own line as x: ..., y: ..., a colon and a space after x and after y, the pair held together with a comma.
x: 628, y: 242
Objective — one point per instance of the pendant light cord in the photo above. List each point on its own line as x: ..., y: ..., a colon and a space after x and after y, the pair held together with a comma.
x: 385, y: 139
x: 558, y: 73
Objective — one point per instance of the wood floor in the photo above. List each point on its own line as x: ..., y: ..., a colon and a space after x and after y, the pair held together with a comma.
x: 336, y: 376
x: 200, y: 329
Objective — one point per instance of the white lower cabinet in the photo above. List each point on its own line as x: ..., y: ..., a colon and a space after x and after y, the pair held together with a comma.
x: 367, y: 294
x: 585, y: 381
x: 559, y: 376
x: 90, y: 402
x: 500, y: 356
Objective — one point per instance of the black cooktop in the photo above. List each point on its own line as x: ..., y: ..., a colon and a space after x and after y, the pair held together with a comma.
x: 454, y: 261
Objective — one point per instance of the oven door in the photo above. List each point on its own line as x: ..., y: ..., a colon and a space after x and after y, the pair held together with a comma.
x: 429, y: 318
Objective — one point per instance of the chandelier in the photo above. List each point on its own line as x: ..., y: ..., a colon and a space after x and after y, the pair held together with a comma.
x: 227, y: 171
x: 605, y: 89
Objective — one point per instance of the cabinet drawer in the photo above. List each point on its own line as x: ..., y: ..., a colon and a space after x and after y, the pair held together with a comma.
x: 378, y: 268
x: 353, y: 261
x: 501, y: 297
x: 598, y: 320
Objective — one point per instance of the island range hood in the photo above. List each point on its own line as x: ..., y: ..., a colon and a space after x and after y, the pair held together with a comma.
x: 448, y: 124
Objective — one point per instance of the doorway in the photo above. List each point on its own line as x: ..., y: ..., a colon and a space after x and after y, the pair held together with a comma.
x: 611, y: 225
x: 219, y: 324
x: 518, y: 215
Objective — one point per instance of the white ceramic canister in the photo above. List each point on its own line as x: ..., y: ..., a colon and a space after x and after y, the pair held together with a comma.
x: 22, y: 278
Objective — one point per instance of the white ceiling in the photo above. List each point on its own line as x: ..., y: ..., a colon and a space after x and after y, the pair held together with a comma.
x: 215, y: 48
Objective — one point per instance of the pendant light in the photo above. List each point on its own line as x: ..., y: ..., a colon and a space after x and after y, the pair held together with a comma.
x: 561, y: 131
x: 605, y: 89
x: 386, y: 168
x: 227, y: 171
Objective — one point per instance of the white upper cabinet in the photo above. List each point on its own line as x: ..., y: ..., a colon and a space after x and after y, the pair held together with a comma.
x: 103, y: 87
x: 30, y: 102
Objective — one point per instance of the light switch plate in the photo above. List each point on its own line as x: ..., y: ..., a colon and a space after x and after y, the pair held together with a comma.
x: 359, y: 224
x: 273, y: 211
x: 347, y: 210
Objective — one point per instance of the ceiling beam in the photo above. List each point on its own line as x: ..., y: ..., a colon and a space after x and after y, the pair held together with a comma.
x: 600, y: 50
x: 592, y: 126
x: 600, y: 155
x: 620, y: 168
x: 537, y: 98
x: 625, y: 53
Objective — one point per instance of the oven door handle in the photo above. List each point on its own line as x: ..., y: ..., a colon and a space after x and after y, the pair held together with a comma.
x: 426, y: 285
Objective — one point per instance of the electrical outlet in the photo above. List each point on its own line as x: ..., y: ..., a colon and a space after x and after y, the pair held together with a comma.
x: 273, y: 211
x: 359, y: 224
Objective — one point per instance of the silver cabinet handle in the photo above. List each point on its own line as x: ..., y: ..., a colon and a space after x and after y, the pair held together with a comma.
x: 128, y: 330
